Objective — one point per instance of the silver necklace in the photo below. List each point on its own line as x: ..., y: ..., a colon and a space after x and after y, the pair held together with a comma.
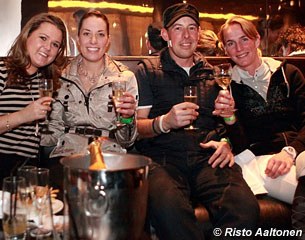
x: 92, y: 79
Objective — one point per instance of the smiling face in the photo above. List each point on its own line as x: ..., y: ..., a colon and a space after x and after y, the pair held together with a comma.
x: 241, y: 48
x: 93, y: 38
x: 183, y: 36
x: 43, y: 45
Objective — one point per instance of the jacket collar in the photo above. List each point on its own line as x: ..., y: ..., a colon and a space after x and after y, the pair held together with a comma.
x: 111, y: 66
x: 267, y: 63
x: 169, y: 64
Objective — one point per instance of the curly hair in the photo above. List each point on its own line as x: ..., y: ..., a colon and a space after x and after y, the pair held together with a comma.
x: 18, y: 58
x: 294, y: 36
x: 209, y: 45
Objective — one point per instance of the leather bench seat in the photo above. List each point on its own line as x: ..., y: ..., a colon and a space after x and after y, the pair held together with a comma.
x: 274, y: 214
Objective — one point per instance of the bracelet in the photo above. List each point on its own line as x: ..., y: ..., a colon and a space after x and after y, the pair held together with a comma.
x: 126, y: 120
x: 160, y: 125
x: 153, y: 126
x: 230, y: 119
x: 8, y: 127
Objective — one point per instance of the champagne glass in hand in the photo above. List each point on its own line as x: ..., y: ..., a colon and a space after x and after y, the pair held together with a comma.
x: 223, y: 73
x: 118, y: 89
x: 223, y: 77
x: 190, y: 95
x: 46, y: 90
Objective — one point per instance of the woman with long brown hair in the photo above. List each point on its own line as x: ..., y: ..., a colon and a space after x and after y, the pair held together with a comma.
x: 38, y: 51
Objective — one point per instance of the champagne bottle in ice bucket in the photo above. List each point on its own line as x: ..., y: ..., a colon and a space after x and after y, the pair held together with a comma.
x: 96, y: 157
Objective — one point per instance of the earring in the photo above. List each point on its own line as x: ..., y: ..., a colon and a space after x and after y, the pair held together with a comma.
x: 169, y: 43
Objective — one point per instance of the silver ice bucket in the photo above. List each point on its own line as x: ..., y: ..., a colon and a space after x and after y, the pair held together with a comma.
x: 106, y: 204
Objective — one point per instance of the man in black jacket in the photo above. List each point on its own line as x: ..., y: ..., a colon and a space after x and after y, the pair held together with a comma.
x: 182, y: 170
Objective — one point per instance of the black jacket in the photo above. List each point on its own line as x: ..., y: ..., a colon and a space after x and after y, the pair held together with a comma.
x: 161, y: 85
x: 265, y: 127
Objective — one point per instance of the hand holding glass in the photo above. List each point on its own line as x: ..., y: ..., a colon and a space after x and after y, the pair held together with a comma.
x: 118, y: 89
x: 14, y: 219
x: 223, y: 77
x: 190, y: 95
x: 46, y: 90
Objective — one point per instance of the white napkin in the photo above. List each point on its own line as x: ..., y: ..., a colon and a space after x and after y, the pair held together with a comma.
x: 251, y: 171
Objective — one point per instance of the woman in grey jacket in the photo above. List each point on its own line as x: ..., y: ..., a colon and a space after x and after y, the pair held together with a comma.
x: 83, y: 107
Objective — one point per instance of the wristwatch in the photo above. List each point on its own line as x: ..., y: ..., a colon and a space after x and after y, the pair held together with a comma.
x: 291, y: 151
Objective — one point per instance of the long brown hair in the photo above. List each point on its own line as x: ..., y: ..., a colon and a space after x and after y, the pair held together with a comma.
x: 18, y: 58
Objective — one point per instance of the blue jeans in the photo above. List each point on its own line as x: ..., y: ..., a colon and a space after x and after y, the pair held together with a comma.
x: 172, y: 185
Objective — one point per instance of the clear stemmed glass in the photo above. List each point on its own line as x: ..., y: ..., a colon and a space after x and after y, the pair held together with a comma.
x: 190, y: 95
x: 223, y: 77
x: 41, y: 197
x: 28, y: 173
x: 46, y: 90
x: 118, y: 89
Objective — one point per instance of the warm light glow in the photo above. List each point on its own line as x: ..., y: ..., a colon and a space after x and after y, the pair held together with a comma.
x: 225, y: 16
x: 85, y: 4
x: 131, y: 8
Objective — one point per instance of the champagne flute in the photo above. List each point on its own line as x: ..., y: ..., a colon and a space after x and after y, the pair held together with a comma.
x: 28, y: 172
x: 190, y: 95
x: 46, y: 90
x: 118, y: 89
x: 41, y: 197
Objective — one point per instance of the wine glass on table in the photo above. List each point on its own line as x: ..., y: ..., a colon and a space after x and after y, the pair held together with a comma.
x: 28, y: 173
x: 46, y: 90
x: 118, y: 89
x: 190, y: 95
x: 41, y: 199
x: 223, y: 77
x: 14, y: 217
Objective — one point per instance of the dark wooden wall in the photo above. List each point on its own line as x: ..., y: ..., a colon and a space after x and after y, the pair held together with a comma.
x: 29, y: 8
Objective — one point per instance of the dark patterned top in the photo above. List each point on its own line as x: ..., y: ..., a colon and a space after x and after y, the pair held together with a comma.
x: 279, y: 121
